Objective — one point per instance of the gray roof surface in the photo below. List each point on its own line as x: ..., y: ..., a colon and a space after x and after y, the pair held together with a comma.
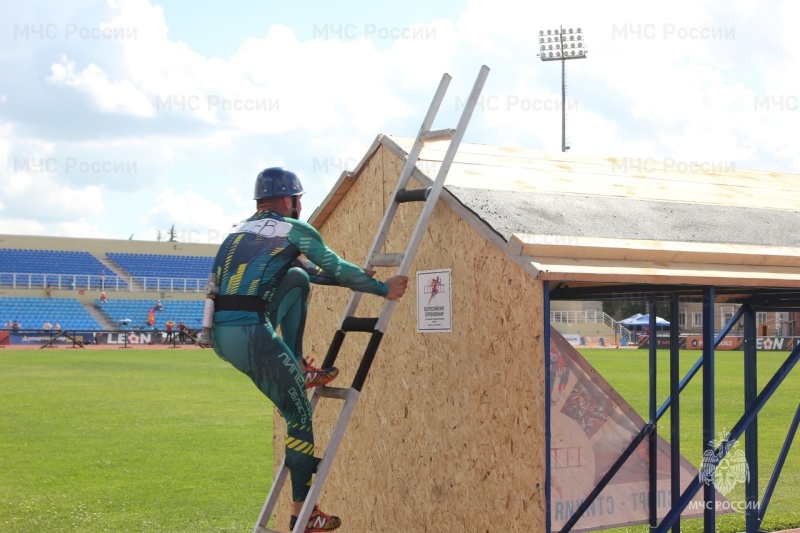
x: 508, y: 212
x: 623, y: 221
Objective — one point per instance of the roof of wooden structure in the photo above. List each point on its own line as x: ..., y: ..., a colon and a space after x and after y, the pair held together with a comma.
x: 590, y: 223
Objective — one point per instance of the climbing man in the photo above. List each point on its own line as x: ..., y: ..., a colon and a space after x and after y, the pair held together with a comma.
x: 260, y: 283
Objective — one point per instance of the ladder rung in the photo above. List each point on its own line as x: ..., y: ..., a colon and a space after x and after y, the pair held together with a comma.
x: 376, y: 326
x: 437, y: 135
x: 337, y: 393
x: 386, y: 260
x: 353, y: 323
x: 412, y: 195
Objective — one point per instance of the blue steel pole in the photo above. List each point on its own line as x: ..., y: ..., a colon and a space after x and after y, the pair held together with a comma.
x: 653, y: 437
x: 547, y: 432
x: 769, y: 389
x: 607, y: 477
x: 699, y: 363
x: 675, y: 407
x: 709, y: 496
x: 773, y: 480
x: 751, y: 430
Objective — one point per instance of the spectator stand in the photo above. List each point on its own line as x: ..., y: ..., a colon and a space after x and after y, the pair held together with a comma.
x: 169, y: 273
x: 72, y: 317
x: 58, y: 269
x: 79, y: 270
x: 190, y: 312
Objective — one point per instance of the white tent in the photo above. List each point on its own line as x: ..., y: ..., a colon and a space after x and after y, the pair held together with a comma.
x: 643, y: 320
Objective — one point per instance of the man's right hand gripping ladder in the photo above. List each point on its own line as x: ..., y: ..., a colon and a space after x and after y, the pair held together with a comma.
x: 375, y: 258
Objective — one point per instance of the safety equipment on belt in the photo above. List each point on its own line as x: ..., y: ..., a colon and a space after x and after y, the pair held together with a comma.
x: 204, y: 340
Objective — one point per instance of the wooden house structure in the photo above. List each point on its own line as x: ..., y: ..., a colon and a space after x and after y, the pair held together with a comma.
x: 454, y: 430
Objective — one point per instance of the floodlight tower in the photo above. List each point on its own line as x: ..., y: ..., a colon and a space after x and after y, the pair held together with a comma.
x: 559, y: 45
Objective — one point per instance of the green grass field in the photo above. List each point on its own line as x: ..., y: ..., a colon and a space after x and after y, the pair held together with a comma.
x: 177, y: 440
x: 627, y: 371
x: 130, y: 440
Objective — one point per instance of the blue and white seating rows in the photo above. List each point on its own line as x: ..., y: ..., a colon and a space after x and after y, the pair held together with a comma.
x: 31, y: 313
x: 20, y: 268
x: 137, y: 311
x: 165, y: 272
x: 58, y: 268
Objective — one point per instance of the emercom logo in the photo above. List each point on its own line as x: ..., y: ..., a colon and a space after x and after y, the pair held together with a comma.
x: 724, y: 467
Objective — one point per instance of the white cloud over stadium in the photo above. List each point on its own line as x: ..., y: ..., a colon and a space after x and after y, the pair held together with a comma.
x: 126, y: 117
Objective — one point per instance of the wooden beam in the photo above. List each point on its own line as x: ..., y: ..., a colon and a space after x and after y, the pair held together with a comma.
x: 559, y: 246
x: 620, y: 271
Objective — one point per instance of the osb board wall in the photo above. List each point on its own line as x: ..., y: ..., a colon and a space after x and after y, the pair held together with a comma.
x: 448, y: 434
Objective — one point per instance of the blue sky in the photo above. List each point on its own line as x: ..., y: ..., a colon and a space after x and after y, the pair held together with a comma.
x: 220, y: 30
x: 126, y: 117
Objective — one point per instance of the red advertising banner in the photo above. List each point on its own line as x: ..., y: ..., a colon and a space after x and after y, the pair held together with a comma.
x: 695, y: 342
x: 769, y: 344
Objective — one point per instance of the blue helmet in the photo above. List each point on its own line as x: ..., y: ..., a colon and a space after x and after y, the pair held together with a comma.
x: 277, y: 182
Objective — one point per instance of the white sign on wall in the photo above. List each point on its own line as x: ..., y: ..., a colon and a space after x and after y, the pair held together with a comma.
x: 434, y: 302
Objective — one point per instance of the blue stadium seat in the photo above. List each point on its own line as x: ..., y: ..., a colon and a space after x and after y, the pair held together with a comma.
x: 33, y: 312
x: 61, y: 269
x: 188, y: 311
x: 167, y: 273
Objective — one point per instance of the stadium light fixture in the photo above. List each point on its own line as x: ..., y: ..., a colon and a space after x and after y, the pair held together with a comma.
x: 560, y: 45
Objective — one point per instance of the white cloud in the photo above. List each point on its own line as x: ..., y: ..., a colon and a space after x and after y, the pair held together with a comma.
x: 113, y: 97
x: 194, y: 130
x: 195, y: 217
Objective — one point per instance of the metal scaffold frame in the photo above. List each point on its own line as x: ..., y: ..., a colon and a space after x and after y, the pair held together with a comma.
x: 747, y: 425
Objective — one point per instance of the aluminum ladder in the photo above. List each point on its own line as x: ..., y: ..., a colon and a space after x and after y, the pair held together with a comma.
x: 377, y: 326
